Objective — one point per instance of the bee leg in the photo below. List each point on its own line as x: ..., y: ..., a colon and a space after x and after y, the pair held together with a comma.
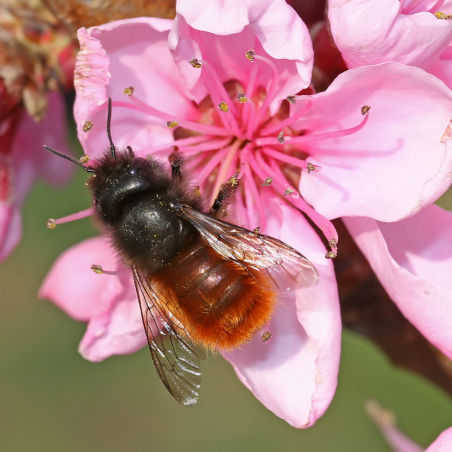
x: 176, y: 163
x: 226, y: 191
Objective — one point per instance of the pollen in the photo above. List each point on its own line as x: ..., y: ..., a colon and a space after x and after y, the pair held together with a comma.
x: 129, y: 90
x: 195, y: 63
x: 88, y: 126
x: 365, y: 109
x: 97, y: 269
x: 440, y: 15
x: 266, y: 336
x: 172, y: 124
x: 291, y: 99
x: 84, y: 159
x: 223, y: 106
x: 310, y: 167
x: 51, y: 223
x: 257, y: 230
x: 242, y: 98
x: 330, y: 255
x: 250, y: 54
x: 281, y: 137
x: 289, y: 191
x: 333, y: 243
x: 267, y: 182
x: 234, y: 181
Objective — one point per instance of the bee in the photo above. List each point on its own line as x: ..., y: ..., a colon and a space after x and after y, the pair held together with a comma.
x: 201, y: 283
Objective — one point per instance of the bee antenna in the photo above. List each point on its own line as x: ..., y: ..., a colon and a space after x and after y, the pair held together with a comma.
x: 112, y: 146
x: 88, y: 170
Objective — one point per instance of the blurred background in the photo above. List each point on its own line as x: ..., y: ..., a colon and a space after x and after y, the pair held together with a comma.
x: 51, y: 399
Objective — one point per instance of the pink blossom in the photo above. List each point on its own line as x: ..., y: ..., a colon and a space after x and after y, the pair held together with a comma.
x: 371, y: 32
x: 22, y: 161
x: 399, y: 442
x: 181, y: 72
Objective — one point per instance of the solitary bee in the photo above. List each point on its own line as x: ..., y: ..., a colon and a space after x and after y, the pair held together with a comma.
x: 202, y: 283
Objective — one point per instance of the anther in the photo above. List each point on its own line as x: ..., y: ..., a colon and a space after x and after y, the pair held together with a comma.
x: 242, y: 98
x: 266, y: 336
x: 197, y: 191
x: 171, y: 124
x: 97, y: 269
x: 257, y: 230
x: 280, y: 137
x: 365, y: 109
x: 88, y: 126
x: 84, y: 159
x: 129, y: 90
x: 333, y: 243
x: 291, y: 99
x: 195, y: 63
x: 311, y: 167
x: 440, y: 15
x: 223, y: 106
x: 51, y: 223
x: 289, y: 191
x: 330, y: 255
x: 250, y: 54
x: 267, y: 182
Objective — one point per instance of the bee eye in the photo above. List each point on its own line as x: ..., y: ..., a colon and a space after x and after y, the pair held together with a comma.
x: 136, y: 164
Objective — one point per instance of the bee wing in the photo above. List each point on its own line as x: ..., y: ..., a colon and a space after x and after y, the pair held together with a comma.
x: 286, y: 266
x: 176, y: 358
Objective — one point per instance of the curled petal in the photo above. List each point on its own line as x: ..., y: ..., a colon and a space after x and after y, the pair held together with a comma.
x: 294, y: 373
x: 413, y: 260
x: 404, y: 148
x: 369, y: 32
x: 222, y: 33
x: 117, y: 55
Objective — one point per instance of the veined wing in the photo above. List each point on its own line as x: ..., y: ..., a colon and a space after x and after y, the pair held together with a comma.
x: 286, y: 266
x: 176, y: 358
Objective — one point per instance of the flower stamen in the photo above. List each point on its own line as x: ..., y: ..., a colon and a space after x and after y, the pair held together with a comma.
x: 51, y: 224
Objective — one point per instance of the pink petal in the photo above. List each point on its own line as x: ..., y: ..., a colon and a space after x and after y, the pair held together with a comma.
x: 294, y: 374
x: 117, y: 55
x: 10, y: 229
x: 222, y: 33
x: 371, y: 32
x: 443, y: 443
x: 386, y: 422
x: 115, y: 328
x: 413, y: 260
x: 397, y: 163
x: 72, y: 285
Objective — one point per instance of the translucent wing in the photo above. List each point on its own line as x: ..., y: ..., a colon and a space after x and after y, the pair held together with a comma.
x: 176, y: 359
x: 286, y: 266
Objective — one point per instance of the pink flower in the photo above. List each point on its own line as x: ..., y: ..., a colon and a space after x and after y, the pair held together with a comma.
x: 407, y: 31
x: 196, y: 86
x: 399, y: 442
x: 22, y: 161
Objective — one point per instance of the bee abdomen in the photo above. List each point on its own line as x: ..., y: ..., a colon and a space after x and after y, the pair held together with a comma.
x: 221, y: 303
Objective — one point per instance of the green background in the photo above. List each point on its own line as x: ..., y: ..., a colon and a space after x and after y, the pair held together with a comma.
x: 51, y: 399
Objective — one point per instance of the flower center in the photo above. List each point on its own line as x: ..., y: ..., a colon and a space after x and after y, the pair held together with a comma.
x: 237, y: 135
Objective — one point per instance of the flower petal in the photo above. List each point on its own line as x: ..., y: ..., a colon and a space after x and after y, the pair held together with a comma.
x: 443, y: 443
x: 413, y: 260
x: 114, y: 56
x: 10, y: 229
x: 222, y: 32
x: 72, y: 285
x: 369, y: 32
x: 399, y: 150
x: 294, y: 374
x: 115, y: 328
